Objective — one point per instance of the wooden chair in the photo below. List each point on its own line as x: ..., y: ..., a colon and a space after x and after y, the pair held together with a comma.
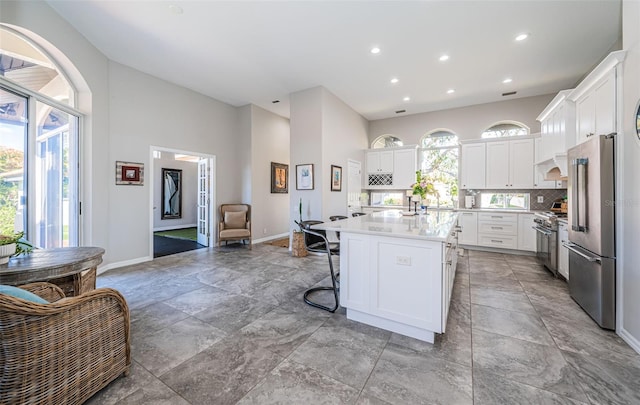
x: 65, y: 351
x: 235, y: 223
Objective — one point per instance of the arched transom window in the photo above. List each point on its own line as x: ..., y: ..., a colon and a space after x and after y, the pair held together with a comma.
x: 506, y: 128
x: 386, y: 141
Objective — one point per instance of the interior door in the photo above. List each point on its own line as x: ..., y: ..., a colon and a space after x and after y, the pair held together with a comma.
x: 354, y: 186
x: 204, y: 188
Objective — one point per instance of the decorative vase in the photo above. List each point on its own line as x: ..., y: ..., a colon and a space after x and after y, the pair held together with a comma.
x: 6, y: 251
x: 298, y: 249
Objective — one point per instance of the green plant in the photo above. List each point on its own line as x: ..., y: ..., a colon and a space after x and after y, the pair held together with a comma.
x: 22, y: 245
x: 422, y: 187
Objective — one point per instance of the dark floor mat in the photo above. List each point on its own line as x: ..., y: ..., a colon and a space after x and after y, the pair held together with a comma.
x: 168, y: 246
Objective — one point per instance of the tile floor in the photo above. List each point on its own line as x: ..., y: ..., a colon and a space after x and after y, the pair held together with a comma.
x: 228, y: 325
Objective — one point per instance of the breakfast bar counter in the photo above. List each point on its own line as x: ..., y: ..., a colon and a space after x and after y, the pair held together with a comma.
x: 397, y: 271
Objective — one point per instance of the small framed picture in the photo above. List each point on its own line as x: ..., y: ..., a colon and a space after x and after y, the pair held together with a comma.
x: 304, y: 177
x: 279, y: 178
x: 336, y: 178
x: 130, y: 174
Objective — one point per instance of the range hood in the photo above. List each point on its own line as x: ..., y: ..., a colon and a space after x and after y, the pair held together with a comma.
x: 554, y: 168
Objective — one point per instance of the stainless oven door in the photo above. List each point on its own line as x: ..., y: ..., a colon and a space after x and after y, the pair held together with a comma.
x: 546, y: 248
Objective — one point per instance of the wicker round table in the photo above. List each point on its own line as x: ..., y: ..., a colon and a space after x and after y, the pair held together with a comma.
x: 73, y: 269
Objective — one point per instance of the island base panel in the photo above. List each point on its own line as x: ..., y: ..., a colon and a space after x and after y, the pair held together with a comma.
x: 392, y: 326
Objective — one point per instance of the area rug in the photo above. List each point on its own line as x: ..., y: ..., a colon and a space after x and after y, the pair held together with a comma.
x: 284, y: 242
x: 185, y: 233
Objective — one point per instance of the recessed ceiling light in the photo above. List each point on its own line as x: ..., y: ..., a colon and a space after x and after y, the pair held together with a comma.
x: 394, y: 80
x: 406, y: 98
x: 522, y: 37
x: 451, y: 91
x: 375, y: 50
x: 175, y: 9
x: 507, y: 80
x: 444, y: 57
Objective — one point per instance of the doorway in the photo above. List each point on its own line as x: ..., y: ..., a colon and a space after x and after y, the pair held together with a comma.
x: 354, y: 186
x: 182, y: 197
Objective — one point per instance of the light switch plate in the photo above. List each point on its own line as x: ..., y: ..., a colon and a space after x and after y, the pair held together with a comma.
x: 540, y: 199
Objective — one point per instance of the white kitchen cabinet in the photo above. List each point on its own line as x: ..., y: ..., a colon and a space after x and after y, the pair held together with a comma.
x: 404, y: 168
x: 521, y: 163
x: 498, y: 230
x: 597, y: 99
x: 497, y: 165
x: 468, y: 222
x: 526, y: 233
x: 473, y: 166
x: 380, y: 161
x: 510, y: 164
x: 563, y: 252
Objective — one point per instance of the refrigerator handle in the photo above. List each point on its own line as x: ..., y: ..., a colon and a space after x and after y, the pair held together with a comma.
x: 572, y: 247
x: 579, y: 195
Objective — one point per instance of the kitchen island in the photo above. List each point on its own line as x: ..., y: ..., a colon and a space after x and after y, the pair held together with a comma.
x: 397, y: 272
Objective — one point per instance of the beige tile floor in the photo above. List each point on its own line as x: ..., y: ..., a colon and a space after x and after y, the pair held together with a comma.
x: 228, y: 325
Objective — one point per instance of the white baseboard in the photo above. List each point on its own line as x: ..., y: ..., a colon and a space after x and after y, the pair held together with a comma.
x: 631, y: 341
x: 171, y: 228
x: 268, y: 238
x: 111, y: 266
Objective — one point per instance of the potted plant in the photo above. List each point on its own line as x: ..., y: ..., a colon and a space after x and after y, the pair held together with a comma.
x: 13, y: 245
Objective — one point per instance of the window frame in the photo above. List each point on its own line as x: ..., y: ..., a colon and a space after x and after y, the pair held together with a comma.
x: 506, y: 122
x: 387, y: 136
x: 456, y: 146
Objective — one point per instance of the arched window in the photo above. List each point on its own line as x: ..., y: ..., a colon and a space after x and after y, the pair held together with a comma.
x: 36, y: 109
x: 506, y: 128
x: 386, y: 141
x: 439, y: 165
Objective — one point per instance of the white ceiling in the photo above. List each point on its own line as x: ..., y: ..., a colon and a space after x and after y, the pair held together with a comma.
x: 243, y: 52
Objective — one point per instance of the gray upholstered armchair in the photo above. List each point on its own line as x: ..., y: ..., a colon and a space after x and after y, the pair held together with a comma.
x: 235, y: 223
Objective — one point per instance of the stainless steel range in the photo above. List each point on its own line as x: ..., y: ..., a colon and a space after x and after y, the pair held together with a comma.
x: 547, y: 239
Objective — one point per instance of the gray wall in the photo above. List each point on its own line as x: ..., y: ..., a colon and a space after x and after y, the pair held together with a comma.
x: 466, y: 122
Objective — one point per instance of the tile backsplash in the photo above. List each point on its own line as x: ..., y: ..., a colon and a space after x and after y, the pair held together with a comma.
x: 550, y: 195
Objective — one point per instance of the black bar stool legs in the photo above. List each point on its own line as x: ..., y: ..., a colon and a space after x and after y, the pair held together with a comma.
x: 335, y: 284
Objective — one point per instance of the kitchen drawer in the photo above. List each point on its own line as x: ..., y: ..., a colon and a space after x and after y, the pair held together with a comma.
x: 494, y: 227
x: 498, y: 241
x: 497, y: 217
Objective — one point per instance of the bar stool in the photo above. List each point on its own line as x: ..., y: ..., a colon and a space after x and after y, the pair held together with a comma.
x: 316, y: 244
x: 335, y: 283
x: 357, y: 214
x: 337, y: 218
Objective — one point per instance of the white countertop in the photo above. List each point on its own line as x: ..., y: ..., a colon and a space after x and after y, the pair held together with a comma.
x: 434, y: 226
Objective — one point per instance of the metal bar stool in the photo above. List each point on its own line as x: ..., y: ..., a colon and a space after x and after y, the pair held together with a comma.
x: 337, y: 218
x: 357, y: 214
x: 335, y: 283
x: 317, y: 244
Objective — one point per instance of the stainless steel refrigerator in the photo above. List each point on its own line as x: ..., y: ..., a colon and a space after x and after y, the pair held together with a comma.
x: 592, y: 248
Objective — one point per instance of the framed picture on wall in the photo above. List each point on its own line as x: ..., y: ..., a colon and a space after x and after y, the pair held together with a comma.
x: 304, y: 177
x: 279, y: 178
x: 171, y: 193
x: 336, y: 178
x: 130, y: 174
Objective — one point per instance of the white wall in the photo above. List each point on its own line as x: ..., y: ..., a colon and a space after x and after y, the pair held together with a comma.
x: 269, y: 143
x: 306, y: 148
x: 147, y: 111
x: 189, y: 192
x: 324, y: 131
x: 466, y: 122
x: 344, y: 137
x: 127, y: 112
x: 629, y: 202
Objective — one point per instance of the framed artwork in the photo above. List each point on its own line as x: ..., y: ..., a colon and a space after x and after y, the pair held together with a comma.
x: 171, y: 193
x: 279, y: 178
x: 131, y: 174
x: 304, y: 177
x: 336, y: 178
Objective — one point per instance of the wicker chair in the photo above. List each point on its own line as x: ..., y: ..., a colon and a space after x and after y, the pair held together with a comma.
x: 65, y: 351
